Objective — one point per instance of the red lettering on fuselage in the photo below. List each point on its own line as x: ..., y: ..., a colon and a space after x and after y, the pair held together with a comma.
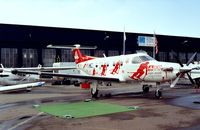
x: 154, y: 67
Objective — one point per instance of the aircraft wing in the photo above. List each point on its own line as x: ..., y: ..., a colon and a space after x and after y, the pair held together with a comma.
x: 79, y: 76
x: 18, y: 87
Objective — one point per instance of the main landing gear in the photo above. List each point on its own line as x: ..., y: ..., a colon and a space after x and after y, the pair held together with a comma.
x: 94, y: 93
x: 145, y: 88
x: 94, y: 89
x: 158, y: 92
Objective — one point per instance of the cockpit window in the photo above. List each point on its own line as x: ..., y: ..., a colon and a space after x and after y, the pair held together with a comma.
x: 146, y: 58
x: 140, y: 59
x: 136, y: 60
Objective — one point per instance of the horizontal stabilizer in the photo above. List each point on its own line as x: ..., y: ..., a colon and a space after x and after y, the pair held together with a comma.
x: 72, y: 47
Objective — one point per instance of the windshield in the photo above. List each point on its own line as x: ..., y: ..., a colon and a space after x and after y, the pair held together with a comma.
x: 146, y: 58
x: 139, y: 59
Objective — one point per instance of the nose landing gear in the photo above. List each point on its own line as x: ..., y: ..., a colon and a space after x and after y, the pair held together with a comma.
x: 158, y: 93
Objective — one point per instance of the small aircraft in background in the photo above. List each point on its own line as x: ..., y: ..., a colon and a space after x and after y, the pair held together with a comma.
x: 130, y: 68
x: 16, y: 82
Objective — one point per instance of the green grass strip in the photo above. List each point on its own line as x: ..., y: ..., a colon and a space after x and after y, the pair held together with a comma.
x: 83, y: 109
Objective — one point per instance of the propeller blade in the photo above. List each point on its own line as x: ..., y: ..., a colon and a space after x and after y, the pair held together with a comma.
x: 191, y: 58
x: 190, y: 78
x: 175, y: 81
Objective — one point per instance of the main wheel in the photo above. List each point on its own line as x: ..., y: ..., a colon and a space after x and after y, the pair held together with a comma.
x: 145, y: 88
x: 94, y: 93
x: 158, y: 94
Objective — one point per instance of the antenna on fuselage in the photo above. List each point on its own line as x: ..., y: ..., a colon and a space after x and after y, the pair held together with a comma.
x: 104, y: 55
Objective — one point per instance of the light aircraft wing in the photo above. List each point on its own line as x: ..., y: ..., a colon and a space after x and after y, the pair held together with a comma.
x: 88, y: 77
x: 46, y: 68
x: 19, y: 87
x: 39, y: 68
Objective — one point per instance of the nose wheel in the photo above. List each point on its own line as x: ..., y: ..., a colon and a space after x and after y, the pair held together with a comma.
x: 158, y: 94
x: 145, y: 88
x: 94, y: 93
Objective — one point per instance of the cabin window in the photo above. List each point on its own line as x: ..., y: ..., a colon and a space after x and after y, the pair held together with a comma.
x: 91, y: 65
x: 136, y: 60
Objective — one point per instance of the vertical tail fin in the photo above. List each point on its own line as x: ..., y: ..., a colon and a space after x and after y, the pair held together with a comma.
x: 78, y: 56
x: 2, y: 66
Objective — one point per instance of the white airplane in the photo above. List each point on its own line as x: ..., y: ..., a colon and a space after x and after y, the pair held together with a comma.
x: 130, y: 68
x: 13, y: 82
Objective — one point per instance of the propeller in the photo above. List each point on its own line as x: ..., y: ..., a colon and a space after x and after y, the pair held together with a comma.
x: 190, y: 78
x: 191, y: 58
x: 182, y: 73
x: 175, y: 81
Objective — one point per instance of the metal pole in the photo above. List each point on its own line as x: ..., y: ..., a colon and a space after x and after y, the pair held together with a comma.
x: 124, y: 47
x: 124, y: 42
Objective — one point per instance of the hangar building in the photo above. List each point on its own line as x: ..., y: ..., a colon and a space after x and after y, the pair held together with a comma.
x: 25, y: 46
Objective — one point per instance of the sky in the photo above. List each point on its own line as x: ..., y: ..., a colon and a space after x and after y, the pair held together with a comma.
x: 166, y: 17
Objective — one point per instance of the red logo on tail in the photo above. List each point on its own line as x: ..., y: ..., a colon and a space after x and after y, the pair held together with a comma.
x: 80, y: 57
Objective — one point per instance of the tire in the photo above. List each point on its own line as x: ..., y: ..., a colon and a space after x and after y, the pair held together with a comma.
x: 158, y: 94
x: 94, y: 95
x: 145, y: 89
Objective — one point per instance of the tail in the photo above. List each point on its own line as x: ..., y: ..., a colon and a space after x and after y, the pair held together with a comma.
x: 76, y: 52
x: 78, y: 56
x: 2, y: 66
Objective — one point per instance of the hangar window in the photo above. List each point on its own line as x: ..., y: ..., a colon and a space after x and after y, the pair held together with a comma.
x: 113, y: 53
x: 9, y: 57
x: 48, y: 56
x: 99, y: 53
x: 182, y: 57
x: 67, y: 55
x: 172, y: 56
x: 85, y: 52
x: 162, y: 56
x: 30, y: 57
x: 198, y: 56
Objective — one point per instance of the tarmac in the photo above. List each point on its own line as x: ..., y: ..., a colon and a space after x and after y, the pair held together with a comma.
x: 178, y: 109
